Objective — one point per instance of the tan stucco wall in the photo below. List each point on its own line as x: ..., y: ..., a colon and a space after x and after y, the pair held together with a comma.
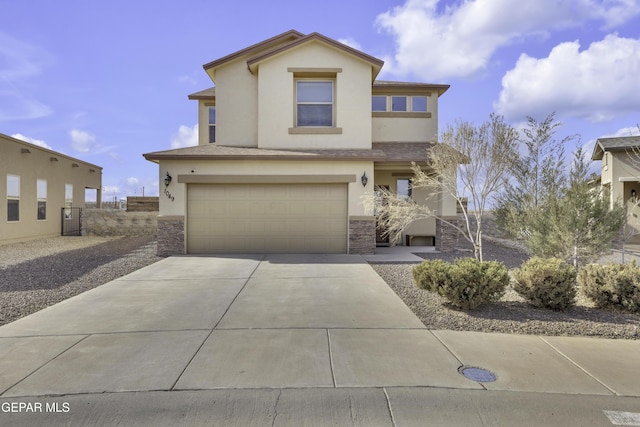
x: 404, y: 129
x: 236, y: 105
x: 31, y: 167
x: 277, y: 103
x: 175, y: 202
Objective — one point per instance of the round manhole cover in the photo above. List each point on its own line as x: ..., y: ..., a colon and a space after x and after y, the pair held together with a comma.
x: 477, y: 374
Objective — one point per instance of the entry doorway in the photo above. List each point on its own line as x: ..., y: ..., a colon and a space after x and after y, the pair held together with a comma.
x: 382, y: 238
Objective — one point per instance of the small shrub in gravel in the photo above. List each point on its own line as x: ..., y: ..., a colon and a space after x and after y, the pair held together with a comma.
x: 614, y: 285
x: 466, y: 284
x: 428, y: 275
x: 546, y: 282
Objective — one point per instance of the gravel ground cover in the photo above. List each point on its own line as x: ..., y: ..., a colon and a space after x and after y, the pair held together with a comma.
x: 511, y: 314
x: 37, y: 274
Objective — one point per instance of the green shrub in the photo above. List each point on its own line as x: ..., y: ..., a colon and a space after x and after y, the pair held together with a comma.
x: 466, y: 284
x: 615, y: 285
x: 429, y: 274
x: 546, y: 282
x: 472, y: 283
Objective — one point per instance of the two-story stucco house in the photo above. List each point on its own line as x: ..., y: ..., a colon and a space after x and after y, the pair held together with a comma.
x: 295, y: 132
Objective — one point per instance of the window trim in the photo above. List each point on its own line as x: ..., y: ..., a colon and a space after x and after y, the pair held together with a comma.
x: 315, y: 74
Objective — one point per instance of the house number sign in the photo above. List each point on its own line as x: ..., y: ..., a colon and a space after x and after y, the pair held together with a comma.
x: 169, y: 195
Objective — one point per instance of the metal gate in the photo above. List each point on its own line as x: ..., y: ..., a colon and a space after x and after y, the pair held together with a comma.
x: 72, y: 221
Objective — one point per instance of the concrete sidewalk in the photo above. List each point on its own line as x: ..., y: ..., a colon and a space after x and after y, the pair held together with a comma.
x: 278, y: 335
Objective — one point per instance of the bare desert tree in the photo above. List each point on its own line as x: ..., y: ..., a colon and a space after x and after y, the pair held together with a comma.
x: 469, y: 163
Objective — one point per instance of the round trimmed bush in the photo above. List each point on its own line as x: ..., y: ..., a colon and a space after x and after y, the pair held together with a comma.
x: 430, y: 274
x: 472, y: 283
x: 546, y: 282
x: 613, y: 285
x: 465, y: 284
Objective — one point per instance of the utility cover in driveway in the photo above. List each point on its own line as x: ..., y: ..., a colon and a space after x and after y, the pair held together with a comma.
x: 267, y: 218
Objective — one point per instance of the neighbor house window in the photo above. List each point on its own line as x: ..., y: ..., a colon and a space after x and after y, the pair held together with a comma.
x: 314, y: 103
x: 68, y: 200
x: 42, y: 198
x: 13, y: 198
x: 212, y: 124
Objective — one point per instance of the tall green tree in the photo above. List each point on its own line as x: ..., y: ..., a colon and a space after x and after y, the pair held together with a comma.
x: 580, y: 226
x: 536, y: 180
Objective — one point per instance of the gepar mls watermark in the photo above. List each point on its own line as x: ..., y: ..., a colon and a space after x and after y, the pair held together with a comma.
x: 34, y: 407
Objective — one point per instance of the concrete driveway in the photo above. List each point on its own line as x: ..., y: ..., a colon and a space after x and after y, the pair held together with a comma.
x: 322, y: 326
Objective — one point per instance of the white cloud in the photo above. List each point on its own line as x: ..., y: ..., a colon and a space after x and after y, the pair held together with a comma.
x: 597, y: 83
x: 351, y: 42
x: 437, y: 42
x: 33, y: 141
x: 628, y: 131
x: 186, y: 137
x: 81, y: 141
x: 133, y: 181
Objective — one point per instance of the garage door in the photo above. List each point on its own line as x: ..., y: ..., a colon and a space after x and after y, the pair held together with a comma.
x: 267, y: 218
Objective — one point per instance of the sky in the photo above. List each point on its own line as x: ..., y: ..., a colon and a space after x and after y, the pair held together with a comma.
x: 106, y: 81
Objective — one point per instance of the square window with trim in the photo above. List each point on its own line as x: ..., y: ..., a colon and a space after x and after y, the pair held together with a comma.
x: 419, y: 104
x: 399, y: 103
x: 314, y: 103
x: 378, y: 103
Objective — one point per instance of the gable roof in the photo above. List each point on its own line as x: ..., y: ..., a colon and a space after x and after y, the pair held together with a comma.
x: 282, y: 42
x: 204, y: 94
x: 621, y: 143
x: 287, y: 36
x: 376, y: 63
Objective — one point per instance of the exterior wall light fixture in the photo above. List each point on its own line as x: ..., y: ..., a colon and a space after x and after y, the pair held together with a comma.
x: 364, y: 179
x: 167, y: 179
x: 633, y: 194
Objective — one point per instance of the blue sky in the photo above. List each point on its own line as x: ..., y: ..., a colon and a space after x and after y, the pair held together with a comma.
x: 106, y: 81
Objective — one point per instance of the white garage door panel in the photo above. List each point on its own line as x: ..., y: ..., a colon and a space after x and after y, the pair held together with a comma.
x: 267, y: 218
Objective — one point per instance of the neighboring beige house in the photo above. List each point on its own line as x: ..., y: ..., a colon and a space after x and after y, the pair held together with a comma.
x: 296, y: 131
x: 620, y: 176
x: 36, y: 184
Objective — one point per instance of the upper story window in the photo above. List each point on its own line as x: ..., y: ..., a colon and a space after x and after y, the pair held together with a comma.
x: 212, y: 124
x: 399, y: 103
x: 379, y: 103
x: 41, y: 189
x: 419, y: 104
x: 314, y: 103
x: 399, y: 106
x: 13, y: 198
